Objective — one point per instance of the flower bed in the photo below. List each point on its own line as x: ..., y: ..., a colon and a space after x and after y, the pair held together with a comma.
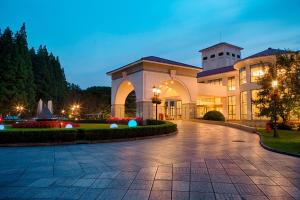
x: 117, y: 120
x: 43, y: 124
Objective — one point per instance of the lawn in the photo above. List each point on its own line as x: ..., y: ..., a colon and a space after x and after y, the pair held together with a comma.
x: 82, y: 126
x: 288, y: 141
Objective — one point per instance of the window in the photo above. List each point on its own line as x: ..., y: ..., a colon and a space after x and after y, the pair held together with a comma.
x: 244, y: 105
x: 231, y: 83
x: 205, y: 58
x: 231, y: 107
x: 221, y: 54
x: 215, y: 82
x: 233, y: 55
x: 243, y: 75
x: 212, y: 56
x: 238, y: 56
x: 255, y: 110
x: 257, y: 71
x: 227, y: 53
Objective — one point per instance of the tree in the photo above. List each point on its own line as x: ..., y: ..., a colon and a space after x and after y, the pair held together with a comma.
x: 286, y: 72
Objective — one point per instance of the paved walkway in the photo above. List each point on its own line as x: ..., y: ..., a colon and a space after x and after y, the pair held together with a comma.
x: 201, y: 162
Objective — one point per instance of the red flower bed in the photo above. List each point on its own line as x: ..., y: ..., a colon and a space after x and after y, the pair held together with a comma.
x: 43, y: 124
x: 117, y: 120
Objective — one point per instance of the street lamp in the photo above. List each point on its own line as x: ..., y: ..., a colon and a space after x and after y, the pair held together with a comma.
x: 275, y: 95
x: 155, y: 99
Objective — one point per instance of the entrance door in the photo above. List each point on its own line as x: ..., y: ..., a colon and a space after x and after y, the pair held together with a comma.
x: 173, y: 109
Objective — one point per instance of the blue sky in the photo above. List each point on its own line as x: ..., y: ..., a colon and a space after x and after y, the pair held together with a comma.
x: 92, y: 37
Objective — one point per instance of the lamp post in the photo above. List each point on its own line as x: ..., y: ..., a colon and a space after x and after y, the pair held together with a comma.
x: 155, y: 99
x: 275, y: 95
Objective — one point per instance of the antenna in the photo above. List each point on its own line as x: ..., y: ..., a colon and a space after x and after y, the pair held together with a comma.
x: 220, y: 37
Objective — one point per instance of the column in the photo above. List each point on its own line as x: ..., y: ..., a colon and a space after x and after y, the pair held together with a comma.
x: 144, y: 109
x: 118, y: 110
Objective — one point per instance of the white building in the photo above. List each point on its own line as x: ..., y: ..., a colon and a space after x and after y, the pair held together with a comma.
x: 226, y: 83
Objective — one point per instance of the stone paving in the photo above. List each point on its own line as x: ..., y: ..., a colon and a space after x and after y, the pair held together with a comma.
x: 201, y: 162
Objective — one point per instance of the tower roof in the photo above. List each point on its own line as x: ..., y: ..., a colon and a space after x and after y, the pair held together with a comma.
x: 221, y: 44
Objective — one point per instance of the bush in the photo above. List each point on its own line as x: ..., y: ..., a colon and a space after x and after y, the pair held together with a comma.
x: 283, y: 126
x: 71, y: 135
x: 214, y: 115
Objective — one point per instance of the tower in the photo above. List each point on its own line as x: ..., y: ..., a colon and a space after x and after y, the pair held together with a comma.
x: 220, y: 55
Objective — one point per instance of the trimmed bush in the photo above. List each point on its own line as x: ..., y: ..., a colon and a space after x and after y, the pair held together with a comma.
x: 214, y: 116
x: 283, y: 126
x: 71, y: 135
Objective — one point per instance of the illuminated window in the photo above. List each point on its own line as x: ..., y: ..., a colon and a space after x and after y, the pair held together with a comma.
x: 243, y: 75
x: 257, y: 72
x: 215, y: 82
x: 244, y: 105
x: 231, y: 107
x: 231, y: 83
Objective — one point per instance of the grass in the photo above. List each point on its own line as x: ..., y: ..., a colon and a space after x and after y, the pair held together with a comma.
x: 288, y: 141
x: 82, y: 126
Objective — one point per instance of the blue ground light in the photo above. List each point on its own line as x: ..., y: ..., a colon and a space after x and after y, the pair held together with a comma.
x: 69, y: 126
x: 132, y: 123
x: 1, y: 127
x: 114, y: 126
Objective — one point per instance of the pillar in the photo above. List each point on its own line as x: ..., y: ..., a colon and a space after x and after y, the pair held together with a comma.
x: 144, y: 109
x: 118, y: 110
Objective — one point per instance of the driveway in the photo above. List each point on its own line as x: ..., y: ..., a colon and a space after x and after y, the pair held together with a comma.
x: 202, y: 161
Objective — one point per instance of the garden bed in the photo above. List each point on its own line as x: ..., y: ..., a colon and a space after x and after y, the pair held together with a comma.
x: 87, y: 133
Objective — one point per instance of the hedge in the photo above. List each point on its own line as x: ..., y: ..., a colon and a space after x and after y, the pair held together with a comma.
x: 71, y: 135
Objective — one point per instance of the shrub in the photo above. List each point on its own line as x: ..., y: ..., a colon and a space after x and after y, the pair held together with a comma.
x: 71, y: 135
x: 283, y: 126
x: 214, y: 115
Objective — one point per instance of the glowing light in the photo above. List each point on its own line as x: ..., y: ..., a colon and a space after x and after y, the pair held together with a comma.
x: 172, y: 82
x: 132, y: 123
x: 63, y: 112
x: 1, y: 127
x: 69, y: 126
x: 113, y: 126
x: 274, y: 83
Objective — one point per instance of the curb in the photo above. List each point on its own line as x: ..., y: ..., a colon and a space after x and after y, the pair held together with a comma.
x: 88, y: 142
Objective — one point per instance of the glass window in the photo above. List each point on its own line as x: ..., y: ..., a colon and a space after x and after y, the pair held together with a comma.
x: 243, y: 75
x: 244, y: 105
x: 215, y: 82
x: 238, y: 56
x: 227, y: 53
x: 233, y: 55
x: 221, y: 54
x: 231, y: 83
x: 257, y: 71
x: 212, y: 56
x: 204, y: 58
x: 231, y: 107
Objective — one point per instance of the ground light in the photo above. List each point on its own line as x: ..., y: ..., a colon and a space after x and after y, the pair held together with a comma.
x: 1, y: 127
x: 69, y: 126
x: 132, y: 123
x: 113, y: 126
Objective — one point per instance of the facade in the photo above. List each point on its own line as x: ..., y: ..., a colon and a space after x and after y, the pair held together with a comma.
x: 226, y: 83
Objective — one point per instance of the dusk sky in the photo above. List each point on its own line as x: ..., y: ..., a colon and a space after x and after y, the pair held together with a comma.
x: 93, y: 37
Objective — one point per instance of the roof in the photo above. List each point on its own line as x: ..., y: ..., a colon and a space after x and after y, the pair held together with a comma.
x: 221, y: 44
x: 157, y: 60
x: 268, y: 52
x: 215, y: 71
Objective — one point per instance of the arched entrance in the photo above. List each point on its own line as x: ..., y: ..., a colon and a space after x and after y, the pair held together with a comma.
x: 123, y: 92
x: 174, y: 95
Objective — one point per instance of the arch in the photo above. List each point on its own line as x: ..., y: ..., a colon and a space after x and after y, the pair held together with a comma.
x: 123, y: 90
x: 174, y: 88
